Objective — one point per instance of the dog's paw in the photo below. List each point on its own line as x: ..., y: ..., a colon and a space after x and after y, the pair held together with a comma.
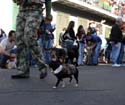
x: 76, y: 85
x: 54, y: 87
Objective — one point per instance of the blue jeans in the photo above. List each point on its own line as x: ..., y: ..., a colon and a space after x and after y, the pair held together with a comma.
x: 116, y: 48
x: 47, y: 47
x: 4, y: 58
x: 96, y: 53
x: 81, y: 53
x: 69, y: 43
x: 121, y: 54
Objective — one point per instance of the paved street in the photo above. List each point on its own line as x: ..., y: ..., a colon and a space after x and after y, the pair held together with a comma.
x: 98, y: 85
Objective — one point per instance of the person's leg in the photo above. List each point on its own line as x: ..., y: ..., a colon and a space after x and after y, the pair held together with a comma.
x: 47, y: 56
x: 121, y: 54
x: 22, y: 48
x: 46, y: 51
x: 32, y: 24
x: 89, y: 57
x: 81, y: 54
x: 51, y: 43
x: 96, y: 53
x: 69, y: 43
x: 115, y: 52
x: 3, y: 61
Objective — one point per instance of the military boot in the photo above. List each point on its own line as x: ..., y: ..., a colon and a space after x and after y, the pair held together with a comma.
x: 43, y: 73
x: 21, y: 75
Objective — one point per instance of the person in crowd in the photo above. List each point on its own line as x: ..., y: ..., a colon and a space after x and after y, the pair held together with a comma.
x: 47, y: 38
x: 61, y: 40
x: 92, y: 28
x: 103, y: 45
x: 69, y: 35
x: 81, y: 38
x: 27, y: 24
x: 7, y: 46
x: 69, y: 39
x: 116, y: 41
x: 94, y: 47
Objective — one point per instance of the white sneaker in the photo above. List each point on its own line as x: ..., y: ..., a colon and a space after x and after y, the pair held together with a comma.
x: 116, y: 65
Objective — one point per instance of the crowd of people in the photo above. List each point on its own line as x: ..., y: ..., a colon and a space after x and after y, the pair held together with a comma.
x: 92, y: 46
x: 88, y: 47
x: 33, y: 41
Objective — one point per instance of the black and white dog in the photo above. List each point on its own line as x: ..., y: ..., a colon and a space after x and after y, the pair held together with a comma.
x: 62, y: 71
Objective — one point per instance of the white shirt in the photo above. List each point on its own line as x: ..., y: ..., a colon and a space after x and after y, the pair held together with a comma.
x: 7, y: 45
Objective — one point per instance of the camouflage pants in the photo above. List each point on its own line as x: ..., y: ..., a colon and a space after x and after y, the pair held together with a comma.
x: 26, y: 36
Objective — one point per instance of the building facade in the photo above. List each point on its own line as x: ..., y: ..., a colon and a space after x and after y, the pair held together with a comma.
x: 80, y: 11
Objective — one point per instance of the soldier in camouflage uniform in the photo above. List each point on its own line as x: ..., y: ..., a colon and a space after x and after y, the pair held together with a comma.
x: 28, y: 21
